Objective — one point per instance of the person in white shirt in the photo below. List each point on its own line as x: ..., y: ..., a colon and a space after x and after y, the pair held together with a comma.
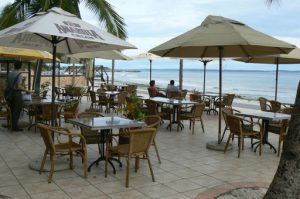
x: 171, y: 87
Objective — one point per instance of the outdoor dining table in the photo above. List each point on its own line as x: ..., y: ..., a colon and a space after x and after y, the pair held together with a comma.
x: 105, y: 123
x: 212, y: 97
x: 266, y: 118
x: 177, y: 104
x: 39, y: 102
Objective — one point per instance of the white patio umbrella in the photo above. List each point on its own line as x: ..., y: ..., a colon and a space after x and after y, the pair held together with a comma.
x: 292, y: 58
x: 59, y: 31
x: 112, y: 54
x: 221, y: 37
x: 150, y: 57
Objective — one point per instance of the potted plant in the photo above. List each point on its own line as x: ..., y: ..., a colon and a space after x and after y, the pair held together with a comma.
x: 133, y: 108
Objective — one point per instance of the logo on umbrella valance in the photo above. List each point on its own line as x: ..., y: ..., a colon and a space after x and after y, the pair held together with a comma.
x: 76, y: 30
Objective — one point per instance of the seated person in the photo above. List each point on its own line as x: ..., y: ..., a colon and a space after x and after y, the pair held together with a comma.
x: 152, y: 90
x: 172, y: 88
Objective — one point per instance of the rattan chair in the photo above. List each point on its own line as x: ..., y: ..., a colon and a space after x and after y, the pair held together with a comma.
x: 225, y: 101
x: 264, y: 104
x: 46, y: 114
x: 275, y: 106
x: 91, y: 136
x: 153, y: 121
x: 166, y: 114
x: 236, y: 128
x: 5, y: 112
x: 194, y: 115
x: 94, y: 102
x: 281, y: 130
x: 69, y: 110
x: 69, y: 147
x: 139, y: 143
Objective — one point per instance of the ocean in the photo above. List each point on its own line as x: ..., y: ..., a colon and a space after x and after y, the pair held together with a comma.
x: 245, y: 84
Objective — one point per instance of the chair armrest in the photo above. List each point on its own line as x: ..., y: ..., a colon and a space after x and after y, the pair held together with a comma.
x: 67, y: 132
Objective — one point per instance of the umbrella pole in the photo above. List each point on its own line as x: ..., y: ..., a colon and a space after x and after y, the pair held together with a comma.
x: 112, y: 72
x: 221, y: 49
x: 150, y: 69
x: 276, y: 85
x: 204, y: 78
x: 93, y: 80
x: 54, y: 42
x: 180, y: 73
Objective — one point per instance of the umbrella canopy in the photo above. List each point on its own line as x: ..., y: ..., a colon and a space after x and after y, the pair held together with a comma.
x: 24, y: 53
x: 292, y: 58
x: 150, y: 57
x: 59, y: 31
x: 112, y: 54
x: 221, y: 37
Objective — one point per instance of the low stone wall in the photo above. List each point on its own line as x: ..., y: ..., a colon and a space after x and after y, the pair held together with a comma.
x: 66, y: 80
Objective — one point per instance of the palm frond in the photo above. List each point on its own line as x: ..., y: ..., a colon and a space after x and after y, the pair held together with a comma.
x: 114, y: 23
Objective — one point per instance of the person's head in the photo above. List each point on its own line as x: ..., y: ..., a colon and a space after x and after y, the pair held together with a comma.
x: 17, y: 65
x: 172, y: 82
x: 152, y: 82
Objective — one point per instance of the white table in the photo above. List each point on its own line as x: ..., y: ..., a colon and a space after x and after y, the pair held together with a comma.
x: 176, y: 104
x: 266, y: 118
x: 105, y: 126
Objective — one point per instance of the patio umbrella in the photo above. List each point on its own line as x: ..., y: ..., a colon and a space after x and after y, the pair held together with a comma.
x: 221, y: 37
x: 112, y: 54
x: 292, y: 58
x: 150, y: 57
x: 59, y: 31
x: 24, y: 53
x: 204, y: 61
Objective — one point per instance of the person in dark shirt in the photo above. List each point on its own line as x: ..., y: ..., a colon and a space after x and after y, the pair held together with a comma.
x: 14, y: 82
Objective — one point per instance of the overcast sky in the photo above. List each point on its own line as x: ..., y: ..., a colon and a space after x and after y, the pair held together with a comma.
x: 152, y: 22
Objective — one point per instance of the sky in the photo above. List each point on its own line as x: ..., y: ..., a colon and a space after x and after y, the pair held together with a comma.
x: 152, y: 22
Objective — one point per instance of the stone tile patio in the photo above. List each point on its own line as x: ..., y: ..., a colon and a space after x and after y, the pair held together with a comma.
x: 187, y: 167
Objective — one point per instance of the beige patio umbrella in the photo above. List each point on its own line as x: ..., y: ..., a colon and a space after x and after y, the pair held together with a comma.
x: 60, y: 32
x: 221, y: 37
x: 292, y: 58
x: 150, y: 57
x: 112, y: 54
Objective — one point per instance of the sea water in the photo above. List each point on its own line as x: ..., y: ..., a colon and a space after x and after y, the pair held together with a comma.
x: 245, y: 84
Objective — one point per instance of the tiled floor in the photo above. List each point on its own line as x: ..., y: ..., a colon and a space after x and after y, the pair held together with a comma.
x: 187, y: 168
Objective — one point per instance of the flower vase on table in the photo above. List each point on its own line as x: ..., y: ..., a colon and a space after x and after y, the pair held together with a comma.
x: 133, y: 108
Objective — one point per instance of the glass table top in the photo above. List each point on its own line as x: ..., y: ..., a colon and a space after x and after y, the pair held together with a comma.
x: 106, y: 122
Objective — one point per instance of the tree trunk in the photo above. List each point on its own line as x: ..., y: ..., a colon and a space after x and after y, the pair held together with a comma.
x: 37, y: 76
x: 286, y: 182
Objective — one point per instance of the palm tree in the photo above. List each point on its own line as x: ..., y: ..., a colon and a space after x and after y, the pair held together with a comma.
x: 20, y: 10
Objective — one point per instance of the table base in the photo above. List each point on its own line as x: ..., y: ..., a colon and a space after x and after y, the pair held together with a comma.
x: 179, y: 124
x: 215, y: 145
x: 266, y: 142
x: 103, y: 158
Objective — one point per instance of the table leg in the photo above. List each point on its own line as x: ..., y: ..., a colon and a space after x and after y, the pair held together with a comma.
x: 265, y: 124
x: 102, y: 157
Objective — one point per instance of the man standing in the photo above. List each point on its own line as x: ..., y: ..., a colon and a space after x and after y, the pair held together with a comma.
x: 14, y: 82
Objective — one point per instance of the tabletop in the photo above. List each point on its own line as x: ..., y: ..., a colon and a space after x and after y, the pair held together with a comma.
x: 265, y: 115
x: 98, y: 123
x: 172, y: 101
x: 42, y: 102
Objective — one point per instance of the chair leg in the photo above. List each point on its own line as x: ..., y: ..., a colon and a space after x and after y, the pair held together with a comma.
x: 202, y: 125
x: 52, y: 160
x: 106, y: 162
x: 156, y: 150
x: 127, y: 172
x: 226, y: 146
x: 224, y: 133
x: 150, y: 167
x: 240, y: 143
x: 193, y: 128
x: 279, y: 146
x: 43, y: 161
x: 71, y: 160
x: 137, y: 164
